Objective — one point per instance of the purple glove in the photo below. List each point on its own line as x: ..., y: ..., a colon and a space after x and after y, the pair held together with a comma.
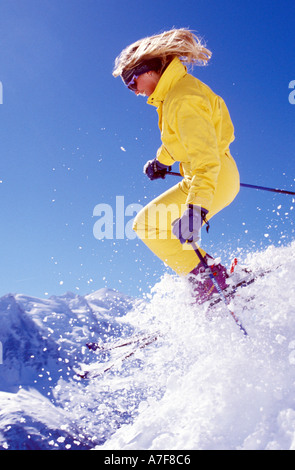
x: 154, y: 169
x: 188, y: 227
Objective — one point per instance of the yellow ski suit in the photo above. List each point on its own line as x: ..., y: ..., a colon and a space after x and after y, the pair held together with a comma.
x: 196, y: 130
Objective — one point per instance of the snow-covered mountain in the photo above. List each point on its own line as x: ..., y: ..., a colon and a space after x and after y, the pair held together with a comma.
x: 201, y: 385
x: 42, y: 339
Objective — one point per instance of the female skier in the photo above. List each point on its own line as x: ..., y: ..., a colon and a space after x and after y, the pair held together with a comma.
x: 196, y: 130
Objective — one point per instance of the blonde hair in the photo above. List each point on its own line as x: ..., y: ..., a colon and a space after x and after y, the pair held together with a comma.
x: 181, y: 43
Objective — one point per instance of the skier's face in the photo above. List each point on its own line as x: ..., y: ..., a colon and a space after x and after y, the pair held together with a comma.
x: 146, y: 83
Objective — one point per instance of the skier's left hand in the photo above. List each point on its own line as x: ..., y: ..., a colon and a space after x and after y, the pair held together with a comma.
x: 188, y: 227
x: 154, y: 169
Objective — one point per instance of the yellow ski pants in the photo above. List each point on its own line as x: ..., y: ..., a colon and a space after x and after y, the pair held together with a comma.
x: 153, y: 223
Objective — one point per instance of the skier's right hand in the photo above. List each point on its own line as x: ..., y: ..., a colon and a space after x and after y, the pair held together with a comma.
x: 154, y: 169
x: 188, y: 227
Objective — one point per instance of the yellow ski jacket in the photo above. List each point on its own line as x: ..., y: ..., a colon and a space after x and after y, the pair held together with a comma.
x: 196, y: 130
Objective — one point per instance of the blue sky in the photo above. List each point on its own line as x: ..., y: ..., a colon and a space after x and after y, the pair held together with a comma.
x: 72, y: 136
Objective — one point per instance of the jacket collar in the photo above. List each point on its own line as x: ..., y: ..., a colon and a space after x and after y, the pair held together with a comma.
x: 173, y: 73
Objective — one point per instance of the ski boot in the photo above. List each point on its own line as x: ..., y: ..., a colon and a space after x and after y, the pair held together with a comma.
x: 203, y: 287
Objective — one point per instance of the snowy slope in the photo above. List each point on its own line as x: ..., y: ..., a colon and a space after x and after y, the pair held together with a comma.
x: 201, y: 385
x: 47, y: 337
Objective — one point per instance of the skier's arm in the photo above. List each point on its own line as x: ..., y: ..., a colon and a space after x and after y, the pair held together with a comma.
x: 164, y: 157
x: 195, y: 130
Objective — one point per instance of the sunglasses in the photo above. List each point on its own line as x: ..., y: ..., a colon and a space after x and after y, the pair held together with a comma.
x: 132, y: 85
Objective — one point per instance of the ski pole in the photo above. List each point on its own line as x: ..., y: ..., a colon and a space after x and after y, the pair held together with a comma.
x: 274, y: 190
x: 218, y: 288
x: 252, y: 186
